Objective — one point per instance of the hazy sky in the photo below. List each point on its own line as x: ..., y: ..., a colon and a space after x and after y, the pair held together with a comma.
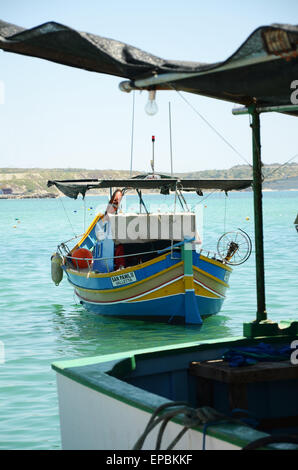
x: 59, y: 116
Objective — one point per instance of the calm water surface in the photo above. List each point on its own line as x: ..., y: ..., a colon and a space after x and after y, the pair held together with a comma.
x: 42, y: 323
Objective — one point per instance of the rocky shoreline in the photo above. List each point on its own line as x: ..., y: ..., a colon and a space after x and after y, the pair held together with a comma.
x: 29, y: 196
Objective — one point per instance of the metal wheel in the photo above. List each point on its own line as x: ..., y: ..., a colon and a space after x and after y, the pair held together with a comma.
x: 234, y: 248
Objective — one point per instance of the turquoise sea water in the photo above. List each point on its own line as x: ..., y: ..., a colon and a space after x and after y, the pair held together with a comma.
x: 42, y: 323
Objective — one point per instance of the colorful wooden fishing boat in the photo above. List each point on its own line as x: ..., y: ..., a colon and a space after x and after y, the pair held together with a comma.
x: 148, y: 265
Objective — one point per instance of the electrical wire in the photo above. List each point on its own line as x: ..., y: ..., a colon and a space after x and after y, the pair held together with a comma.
x: 280, y: 166
x: 60, y: 199
x: 212, y: 127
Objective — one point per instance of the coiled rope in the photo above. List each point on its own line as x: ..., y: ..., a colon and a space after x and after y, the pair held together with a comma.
x: 190, y: 417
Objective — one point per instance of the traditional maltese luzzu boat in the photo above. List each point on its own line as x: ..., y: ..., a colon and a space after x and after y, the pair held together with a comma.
x: 148, y: 265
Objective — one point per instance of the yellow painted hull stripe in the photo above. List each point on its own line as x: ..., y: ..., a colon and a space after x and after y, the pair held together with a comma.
x: 206, y: 288
x: 155, y: 289
x: 172, y: 288
x: 188, y: 282
x: 117, y: 289
x: 175, y: 288
x: 211, y: 276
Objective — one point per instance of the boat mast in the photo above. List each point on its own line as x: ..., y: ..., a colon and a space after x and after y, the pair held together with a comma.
x: 170, y: 129
x: 152, y: 161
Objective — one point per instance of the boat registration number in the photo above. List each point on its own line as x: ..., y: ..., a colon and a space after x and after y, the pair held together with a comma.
x: 123, y: 279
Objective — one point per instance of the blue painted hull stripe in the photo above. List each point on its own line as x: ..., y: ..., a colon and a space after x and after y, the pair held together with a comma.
x: 166, y: 307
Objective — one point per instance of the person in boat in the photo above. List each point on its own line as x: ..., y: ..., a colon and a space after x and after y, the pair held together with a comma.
x: 119, y: 261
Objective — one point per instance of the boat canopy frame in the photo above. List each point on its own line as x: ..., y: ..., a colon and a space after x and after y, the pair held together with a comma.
x: 264, y: 68
x: 72, y: 188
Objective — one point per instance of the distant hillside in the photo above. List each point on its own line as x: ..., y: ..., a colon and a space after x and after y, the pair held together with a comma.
x: 276, y: 176
x: 272, y: 172
x: 33, y: 182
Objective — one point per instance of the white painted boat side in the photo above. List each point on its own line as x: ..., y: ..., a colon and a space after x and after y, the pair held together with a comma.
x: 91, y: 420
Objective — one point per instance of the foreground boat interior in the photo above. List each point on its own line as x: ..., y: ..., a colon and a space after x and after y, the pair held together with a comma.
x: 239, y: 405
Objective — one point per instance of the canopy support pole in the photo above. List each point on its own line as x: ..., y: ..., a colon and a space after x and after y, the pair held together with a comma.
x: 261, y: 326
x: 258, y: 214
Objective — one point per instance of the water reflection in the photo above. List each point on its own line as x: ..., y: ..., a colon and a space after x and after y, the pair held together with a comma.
x: 82, y: 333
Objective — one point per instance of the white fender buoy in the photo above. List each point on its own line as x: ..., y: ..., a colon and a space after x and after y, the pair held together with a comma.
x: 56, y: 269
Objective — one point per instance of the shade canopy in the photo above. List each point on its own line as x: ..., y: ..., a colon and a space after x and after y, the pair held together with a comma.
x: 72, y: 188
x: 261, y: 70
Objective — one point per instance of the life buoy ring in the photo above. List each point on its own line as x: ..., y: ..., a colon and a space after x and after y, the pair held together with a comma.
x: 114, y: 202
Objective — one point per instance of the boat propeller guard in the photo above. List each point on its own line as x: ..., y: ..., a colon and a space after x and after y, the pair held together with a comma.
x: 234, y: 248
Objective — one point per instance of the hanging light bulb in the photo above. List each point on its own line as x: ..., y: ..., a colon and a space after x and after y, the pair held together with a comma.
x: 151, y: 107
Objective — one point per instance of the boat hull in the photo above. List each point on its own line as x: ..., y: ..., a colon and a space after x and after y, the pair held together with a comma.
x: 154, y: 309
x: 158, y: 289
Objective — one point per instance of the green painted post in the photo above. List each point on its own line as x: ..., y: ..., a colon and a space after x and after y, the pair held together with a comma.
x: 192, y: 314
x: 258, y: 214
x: 187, y: 258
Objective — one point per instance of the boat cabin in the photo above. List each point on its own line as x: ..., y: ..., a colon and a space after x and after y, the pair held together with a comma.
x: 123, y: 240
